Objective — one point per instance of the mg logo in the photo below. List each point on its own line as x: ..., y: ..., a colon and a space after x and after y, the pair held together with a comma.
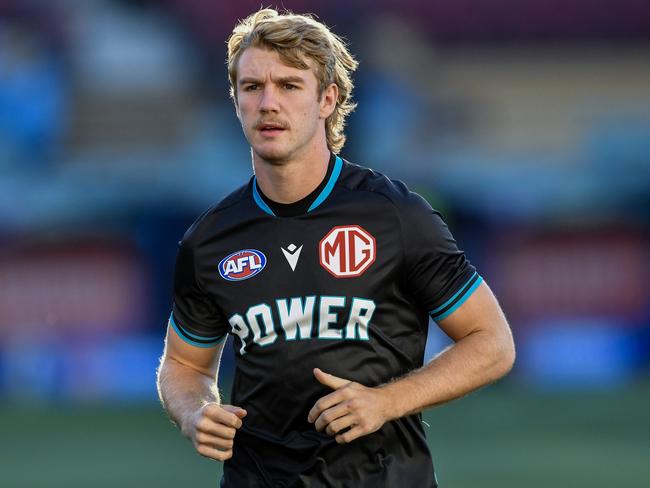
x: 347, y: 251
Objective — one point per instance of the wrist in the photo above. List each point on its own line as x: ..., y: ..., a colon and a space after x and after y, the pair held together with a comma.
x: 392, y: 402
x: 183, y: 425
x: 186, y: 423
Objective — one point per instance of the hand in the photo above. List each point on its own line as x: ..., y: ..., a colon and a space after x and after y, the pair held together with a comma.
x: 352, y: 406
x: 212, y: 429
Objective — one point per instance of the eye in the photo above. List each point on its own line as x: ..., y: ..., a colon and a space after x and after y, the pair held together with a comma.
x: 290, y: 86
x: 251, y: 87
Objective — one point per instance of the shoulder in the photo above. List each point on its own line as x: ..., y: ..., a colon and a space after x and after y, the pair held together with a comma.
x: 362, y: 179
x: 216, y: 217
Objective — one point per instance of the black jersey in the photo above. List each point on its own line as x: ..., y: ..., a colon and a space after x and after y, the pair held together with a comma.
x: 345, y: 284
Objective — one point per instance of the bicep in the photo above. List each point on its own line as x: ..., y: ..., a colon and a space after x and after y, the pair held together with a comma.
x: 479, y: 312
x: 203, y: 359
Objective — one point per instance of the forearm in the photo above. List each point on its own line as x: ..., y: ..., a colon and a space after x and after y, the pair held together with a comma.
x: 183, y: 390
x: 470, y: 363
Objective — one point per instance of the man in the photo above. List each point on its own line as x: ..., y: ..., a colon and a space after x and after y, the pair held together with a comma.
x: 326, y: 274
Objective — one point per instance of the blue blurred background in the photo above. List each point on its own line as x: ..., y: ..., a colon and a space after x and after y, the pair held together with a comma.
x: 526, y: 123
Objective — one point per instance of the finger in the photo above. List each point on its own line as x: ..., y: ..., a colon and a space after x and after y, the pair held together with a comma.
x: 214, y: 441
x: 330, y: 380
x: 212, y: 453
x: 240, y: 412
x: 217, y: 413
x: 331, y: 414
x: 354, y: 433
x: 324, y: 403
x: 209, y: 426
x: 333, y: 428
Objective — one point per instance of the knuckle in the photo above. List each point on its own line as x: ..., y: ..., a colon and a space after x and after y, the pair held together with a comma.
x: 203, y: 424
x: 209, y: 409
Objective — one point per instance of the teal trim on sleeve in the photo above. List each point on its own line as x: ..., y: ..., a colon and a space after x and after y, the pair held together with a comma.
x: 446, y: 304
x: 338, y: 166
x: 186, y: 336
x: 462, y: 299
x: 258, y: 199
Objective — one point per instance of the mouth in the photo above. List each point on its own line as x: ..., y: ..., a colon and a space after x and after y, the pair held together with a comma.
x: 270, y: 129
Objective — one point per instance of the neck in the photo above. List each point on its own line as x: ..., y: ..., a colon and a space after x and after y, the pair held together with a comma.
x: 294, y: 179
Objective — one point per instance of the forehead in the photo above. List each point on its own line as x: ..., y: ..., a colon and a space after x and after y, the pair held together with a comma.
x: 260, y: 63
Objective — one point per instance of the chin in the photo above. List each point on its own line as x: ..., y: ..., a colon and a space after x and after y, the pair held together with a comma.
x: 272, y: 155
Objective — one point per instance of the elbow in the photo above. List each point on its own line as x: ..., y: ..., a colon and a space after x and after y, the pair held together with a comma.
x: 160, y: 375
x: 506, y: 355
x: 499, y: 353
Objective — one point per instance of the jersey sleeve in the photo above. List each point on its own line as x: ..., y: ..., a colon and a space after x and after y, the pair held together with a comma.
x: 438, y: 275
x: 195, y: 317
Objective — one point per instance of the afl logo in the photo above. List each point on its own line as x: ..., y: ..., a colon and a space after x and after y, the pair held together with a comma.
x: 242, y: 265
x: 347, y: 251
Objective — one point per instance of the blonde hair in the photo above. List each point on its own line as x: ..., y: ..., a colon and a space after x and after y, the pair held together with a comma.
x: 296, y: 37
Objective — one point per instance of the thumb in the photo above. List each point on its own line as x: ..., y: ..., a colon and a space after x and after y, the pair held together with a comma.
x: 240, y: 412
x: 330, y: 380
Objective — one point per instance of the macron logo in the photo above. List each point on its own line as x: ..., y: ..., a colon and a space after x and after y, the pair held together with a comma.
x: 292, y: 253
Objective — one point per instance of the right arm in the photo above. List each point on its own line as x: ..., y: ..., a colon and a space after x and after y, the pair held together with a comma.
x: 187, y: 387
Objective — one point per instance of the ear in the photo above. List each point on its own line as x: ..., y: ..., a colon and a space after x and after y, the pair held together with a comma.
x: 328, y: 100
x: 237, y: 112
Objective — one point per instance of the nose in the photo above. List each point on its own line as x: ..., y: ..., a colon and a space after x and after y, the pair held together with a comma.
x: 269, y: 99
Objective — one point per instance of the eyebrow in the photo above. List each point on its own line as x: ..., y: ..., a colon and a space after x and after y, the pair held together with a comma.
x: 284, y: 79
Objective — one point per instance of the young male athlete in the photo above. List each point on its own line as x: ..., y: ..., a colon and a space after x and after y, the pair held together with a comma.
x: 326, y: 274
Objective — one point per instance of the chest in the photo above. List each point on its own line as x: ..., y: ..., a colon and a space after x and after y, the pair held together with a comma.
x: 263, y: 261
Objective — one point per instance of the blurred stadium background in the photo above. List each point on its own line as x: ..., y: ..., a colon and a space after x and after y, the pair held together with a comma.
x: 527, y: 123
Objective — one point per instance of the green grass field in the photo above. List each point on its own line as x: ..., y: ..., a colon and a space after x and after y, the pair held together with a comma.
x: 497, y: 437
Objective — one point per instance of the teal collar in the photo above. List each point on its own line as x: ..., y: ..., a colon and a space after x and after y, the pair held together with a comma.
x: 322, y: 196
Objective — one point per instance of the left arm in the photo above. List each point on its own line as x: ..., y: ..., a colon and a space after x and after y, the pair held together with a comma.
x: 483, y: 351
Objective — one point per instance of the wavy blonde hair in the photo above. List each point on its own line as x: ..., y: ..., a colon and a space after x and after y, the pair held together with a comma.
x: 295, y: 38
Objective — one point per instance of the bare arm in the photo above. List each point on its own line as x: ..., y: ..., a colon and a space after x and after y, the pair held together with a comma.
x: 483, y: 352
x: 187, y: 387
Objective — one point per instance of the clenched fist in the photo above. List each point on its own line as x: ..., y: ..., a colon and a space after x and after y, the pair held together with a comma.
x: 212, y: 429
